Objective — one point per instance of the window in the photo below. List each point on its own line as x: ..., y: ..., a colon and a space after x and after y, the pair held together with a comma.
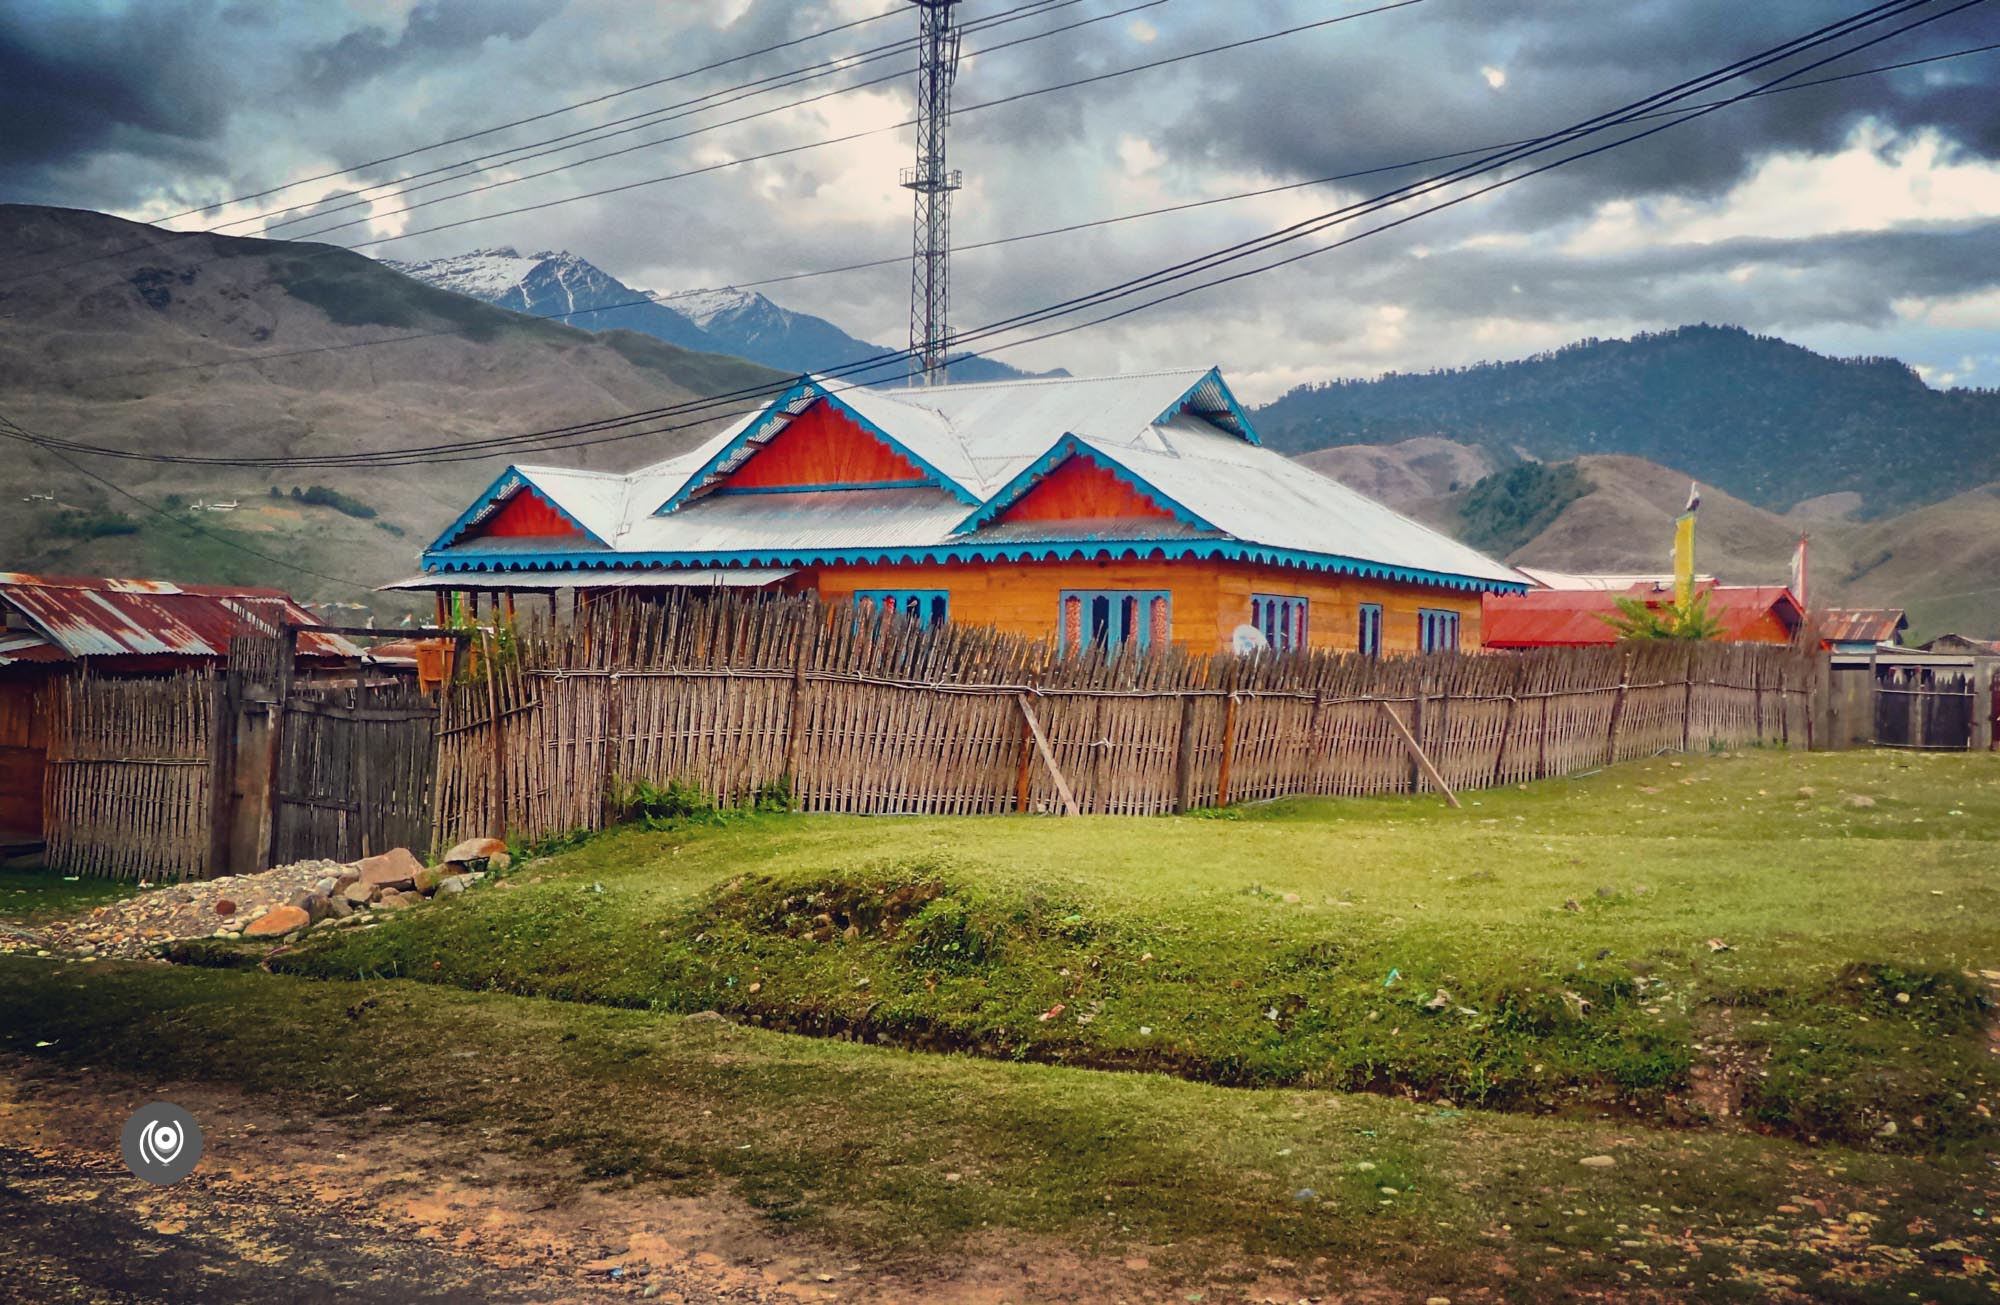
x: 1437, y: 631
x: 1282, y: 620
x: 925, y: 606
x: 1369, y: 623
x: 1111, y: 618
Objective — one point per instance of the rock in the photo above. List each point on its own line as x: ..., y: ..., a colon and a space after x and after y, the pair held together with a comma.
x: 707, y: 1017
x: 476, y: 849
x: 1887, y: 1130
x: 225, y: 907
x: 499, y: 862
x: 1860, y: 801
x: 317, y: 907
x: 396, y: 868
x: 327, y: 886
x: 347, y: 875
x: 1597, y: 1162
x: 278, y: 920
x: 1305, y: 1196
x: 338, y: 907
x: 1808, y: 791
x: 300, y: 898
x: 426, y: 880
x: 1607, y: 891
x: 451, y: 885
x: 395, y: 899
x: 360, y: 894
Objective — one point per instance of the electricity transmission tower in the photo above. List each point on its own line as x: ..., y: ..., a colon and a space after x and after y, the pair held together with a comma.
x: 932, y: 182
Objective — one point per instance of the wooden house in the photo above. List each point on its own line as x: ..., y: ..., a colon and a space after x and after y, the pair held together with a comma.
x: 1097, y: 511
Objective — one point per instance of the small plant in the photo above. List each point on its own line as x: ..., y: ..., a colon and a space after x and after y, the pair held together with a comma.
x: 1691, y: 621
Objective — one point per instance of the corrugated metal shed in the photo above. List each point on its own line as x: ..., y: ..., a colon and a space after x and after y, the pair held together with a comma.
x: 1869, y: 625
x: 93, y: 617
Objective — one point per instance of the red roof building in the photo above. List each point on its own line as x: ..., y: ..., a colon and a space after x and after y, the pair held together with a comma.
x: 1579, y: 618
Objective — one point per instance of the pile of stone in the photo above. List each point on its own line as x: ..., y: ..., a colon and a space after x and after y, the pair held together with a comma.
x: 274, y: 905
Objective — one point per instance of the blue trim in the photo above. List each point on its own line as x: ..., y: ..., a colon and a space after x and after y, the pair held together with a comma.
x: 1434, y: 624
x: 504, y: 486
x: 1142, y: 631
x: 1242, y: 418
x: 1069, y: 446
x: 816, y: 489
x: 805, y: 386
x: 1166, y: 550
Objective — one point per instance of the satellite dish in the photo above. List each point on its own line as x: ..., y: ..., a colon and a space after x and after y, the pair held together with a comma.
x: 1249, y: 639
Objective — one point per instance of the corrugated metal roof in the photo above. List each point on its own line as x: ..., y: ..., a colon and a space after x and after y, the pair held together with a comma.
x: 1179, y: 432
x: 1862, y: 624
x: 745, y: 577
x: 92, y: 617
x: 28, y: 646
x: 1572, y: 618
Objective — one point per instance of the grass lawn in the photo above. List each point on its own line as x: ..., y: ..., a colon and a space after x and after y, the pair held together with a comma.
x: 910, y: 1162
x: 1777, y: 935
x: 1747, y: 988
x: 32, y: 895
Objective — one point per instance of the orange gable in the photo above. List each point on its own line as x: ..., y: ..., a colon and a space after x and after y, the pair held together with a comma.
x: 1080, y: 490
x: 824, y: 446
x: 525, y: 514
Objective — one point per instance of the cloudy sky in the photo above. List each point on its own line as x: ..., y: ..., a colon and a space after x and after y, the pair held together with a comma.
x: 1861, y: 216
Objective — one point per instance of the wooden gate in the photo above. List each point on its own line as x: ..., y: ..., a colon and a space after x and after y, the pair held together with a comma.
x: 1923, y: 708
x: 354, y: 771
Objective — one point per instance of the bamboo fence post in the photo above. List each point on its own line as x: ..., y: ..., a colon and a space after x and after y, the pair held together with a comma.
x: 1507, y: 724
x: 1228, y: 749
x: 795, y: 708
x: 1417, y: 756
x: 1048, y: 757
x: 1184, y: 757
x: 1687, y: 706
x: 497, y: 737
x: 1618, y: 709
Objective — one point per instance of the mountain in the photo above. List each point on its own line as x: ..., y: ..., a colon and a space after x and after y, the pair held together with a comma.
x: 1615, y: 513
x: 742, y: 323
x: 1772, y: 423
x: 140, y: 338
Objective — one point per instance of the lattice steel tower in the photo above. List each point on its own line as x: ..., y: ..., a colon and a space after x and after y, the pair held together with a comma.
x: 930, y: 262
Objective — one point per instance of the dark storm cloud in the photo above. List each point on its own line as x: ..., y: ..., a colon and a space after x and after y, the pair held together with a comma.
x: 1412, y: 86
x: 434, y: 29
x: 72, y: 83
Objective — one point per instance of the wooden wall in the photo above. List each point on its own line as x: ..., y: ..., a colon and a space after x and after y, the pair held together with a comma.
x: 23, y: 753
x: 1210, y: 599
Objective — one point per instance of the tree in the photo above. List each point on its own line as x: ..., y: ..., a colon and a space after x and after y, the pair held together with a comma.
x: 1691, y: 621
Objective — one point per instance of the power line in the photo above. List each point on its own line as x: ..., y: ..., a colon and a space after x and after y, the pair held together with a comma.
x: 637, y: 146
x: 1018, y: 237
x: 877, y: 131
x: 573, y: 436
x: 8, y: 424
x: 686, y: 108
x: 1031, y: 9
x: 522, y: 122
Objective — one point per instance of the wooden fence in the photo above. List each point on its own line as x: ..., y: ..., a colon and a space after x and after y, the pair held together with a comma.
x: 730, y: 693
x: 127, y: 789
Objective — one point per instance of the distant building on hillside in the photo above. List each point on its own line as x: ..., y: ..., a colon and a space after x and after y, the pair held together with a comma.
x: 1580, y: 618
x: 1861, y: 629
x: 1102, y: 512
x: 1959, y: 643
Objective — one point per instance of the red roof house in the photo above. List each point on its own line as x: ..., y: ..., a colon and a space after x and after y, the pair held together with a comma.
x: 1578, y: 618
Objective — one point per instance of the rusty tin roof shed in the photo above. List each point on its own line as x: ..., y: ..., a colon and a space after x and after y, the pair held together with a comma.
x: 90, y: 617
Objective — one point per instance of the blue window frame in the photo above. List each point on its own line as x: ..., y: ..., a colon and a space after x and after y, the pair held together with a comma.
x: 1437, y: 630
x: 926, y: 606
x: 1369, y: 626
x: 1111, y: 618
x: 1281, y: 618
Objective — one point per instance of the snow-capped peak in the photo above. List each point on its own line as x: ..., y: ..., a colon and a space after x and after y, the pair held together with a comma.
x: 484, y: 273
x: 703, y: 306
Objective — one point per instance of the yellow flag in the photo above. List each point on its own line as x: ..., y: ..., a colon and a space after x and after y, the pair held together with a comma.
x: 1683, y: 559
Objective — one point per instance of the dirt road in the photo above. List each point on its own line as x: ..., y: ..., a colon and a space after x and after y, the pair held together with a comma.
x: 313, y: 1210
